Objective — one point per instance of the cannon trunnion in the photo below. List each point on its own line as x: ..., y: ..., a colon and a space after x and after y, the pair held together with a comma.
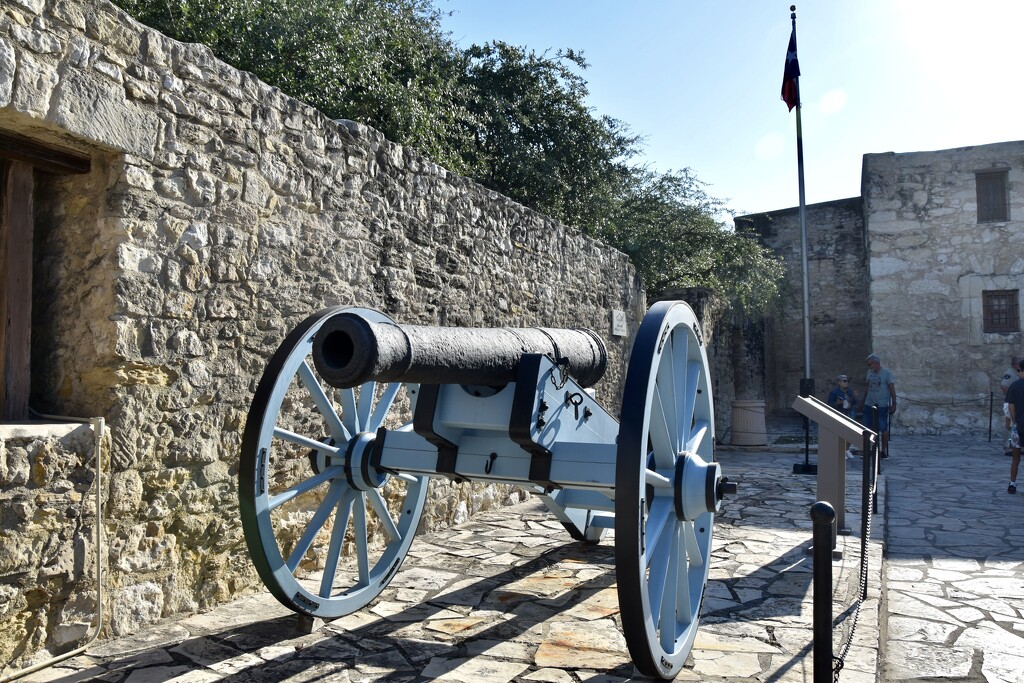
x: 327, y: 465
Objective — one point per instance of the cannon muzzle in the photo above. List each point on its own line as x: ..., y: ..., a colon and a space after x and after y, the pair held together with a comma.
x: 349, y: 350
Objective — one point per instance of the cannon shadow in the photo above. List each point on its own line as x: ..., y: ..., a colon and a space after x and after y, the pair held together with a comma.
x: 381, y: 648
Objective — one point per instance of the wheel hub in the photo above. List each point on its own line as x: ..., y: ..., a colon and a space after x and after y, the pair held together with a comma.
x: 361, y: 474
x: 699, y: 486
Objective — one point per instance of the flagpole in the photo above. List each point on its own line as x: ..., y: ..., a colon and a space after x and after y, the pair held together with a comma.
x: 807, y: 382
x: 803, y: 222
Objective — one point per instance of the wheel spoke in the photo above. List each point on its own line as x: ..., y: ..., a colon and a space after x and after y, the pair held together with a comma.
x: 323, y: 403
x: 362, y: 538
x: 661, y: 510
x: 349, y: 415
x: 365, y: 405
x: 320, y: 517
x: 383, y: 406
x: 657, y: 577
x: 693, y: 551
x: 670, y: 598
x: 660, y: 433
x: 679, y: 372
x: 694, y: 370
x: 683, y: 604
x: 337, y: 541
x: 304, y: 486
x: 378, y: 505
x: 697, y: 434
x: 657, y: 480
x: 301, y: 440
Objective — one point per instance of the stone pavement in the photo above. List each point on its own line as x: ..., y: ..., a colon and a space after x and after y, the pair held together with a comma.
x: 954, y: 570
x: 509, y: 597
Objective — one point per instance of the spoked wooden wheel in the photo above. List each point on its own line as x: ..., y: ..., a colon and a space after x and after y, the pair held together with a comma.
x: 312, y: 505
x: 667, y: 489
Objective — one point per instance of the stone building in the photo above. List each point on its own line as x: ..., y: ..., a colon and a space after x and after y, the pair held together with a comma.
x: 925, y: 269
x: 166, y: 220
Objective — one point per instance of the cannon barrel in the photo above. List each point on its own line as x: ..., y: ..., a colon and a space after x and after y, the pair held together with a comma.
x: 349, y: 350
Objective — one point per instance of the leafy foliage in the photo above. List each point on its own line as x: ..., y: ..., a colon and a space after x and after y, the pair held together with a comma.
x: 386, y: 63
x: 666, y: 223
x: 534, y: 138
x: 512, y: 119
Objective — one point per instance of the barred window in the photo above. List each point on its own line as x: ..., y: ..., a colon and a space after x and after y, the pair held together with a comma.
x: 1002, y: 314
x: 993, y: 198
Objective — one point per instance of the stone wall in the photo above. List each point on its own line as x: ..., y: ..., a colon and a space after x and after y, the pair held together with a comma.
x: 836, y: 265
x: 930, y: 260
x: 218, y: 214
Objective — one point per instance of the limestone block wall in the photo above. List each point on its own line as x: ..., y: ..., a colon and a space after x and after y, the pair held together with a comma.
x: 930, y: 260
x: 836, y: 265
x: 218, y: 214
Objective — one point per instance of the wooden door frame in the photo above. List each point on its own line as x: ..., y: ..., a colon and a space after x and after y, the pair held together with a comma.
x: 19, y: 159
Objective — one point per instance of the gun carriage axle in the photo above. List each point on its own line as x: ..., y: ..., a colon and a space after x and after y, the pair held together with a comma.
x: 324, y: 453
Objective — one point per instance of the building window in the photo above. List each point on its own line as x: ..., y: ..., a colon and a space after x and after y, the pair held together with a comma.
x: 1002, y: 315
x: 993, y: 202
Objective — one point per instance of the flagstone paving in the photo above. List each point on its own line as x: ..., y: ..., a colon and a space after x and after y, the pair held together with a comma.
x: 509, y: 597
x: 954, y: 570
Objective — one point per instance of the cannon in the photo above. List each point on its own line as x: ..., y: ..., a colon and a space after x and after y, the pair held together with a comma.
x: 326, y: 454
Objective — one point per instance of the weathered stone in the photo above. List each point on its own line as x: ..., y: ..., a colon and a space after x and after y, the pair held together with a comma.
x: 7, y: 66
x: 136, y: 605
x: 35, y: 86
x: 217, y: 215
x: 97, y: 110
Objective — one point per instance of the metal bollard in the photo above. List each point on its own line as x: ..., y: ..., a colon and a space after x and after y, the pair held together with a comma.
x: 865, y: 501
x: 877, y: 452
x: 823, y: 516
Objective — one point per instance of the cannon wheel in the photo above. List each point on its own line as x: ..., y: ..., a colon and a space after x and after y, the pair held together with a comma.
x: 307, y: 490
x: 666, y: 489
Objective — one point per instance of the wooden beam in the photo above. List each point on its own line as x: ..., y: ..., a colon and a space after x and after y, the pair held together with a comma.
x: 45, y: 158
x: 16, y: 221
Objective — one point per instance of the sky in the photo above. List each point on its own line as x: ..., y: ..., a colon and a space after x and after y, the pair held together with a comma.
x: 700, y: 80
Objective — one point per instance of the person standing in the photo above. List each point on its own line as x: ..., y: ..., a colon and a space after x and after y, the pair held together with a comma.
x: 881, y: 392
x: 1015, y: 402
x: 842, y: 397
x: 1009, y: 377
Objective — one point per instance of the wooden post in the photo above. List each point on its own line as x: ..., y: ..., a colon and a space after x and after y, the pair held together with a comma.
x: 16, y: 221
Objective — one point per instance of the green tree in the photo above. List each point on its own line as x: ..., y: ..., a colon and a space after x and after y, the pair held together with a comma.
x: 386, y: 63
x: 666, y: 223
x: 534, y: 138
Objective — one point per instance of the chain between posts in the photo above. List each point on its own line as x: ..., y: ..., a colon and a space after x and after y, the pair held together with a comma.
x: 868, y: 491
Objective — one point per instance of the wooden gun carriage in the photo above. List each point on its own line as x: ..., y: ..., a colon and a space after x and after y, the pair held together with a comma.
x: 324, y: 452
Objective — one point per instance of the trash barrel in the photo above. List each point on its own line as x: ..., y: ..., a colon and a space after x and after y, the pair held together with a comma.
x: 748, y: 427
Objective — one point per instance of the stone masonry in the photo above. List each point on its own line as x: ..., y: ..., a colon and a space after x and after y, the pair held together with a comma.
x: 901, y: 271
x: 836, y: 265
x: 930, y: 260
x: 219, y: 213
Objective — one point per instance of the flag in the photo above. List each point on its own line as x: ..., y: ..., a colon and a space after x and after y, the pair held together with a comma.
x: 790, y: 89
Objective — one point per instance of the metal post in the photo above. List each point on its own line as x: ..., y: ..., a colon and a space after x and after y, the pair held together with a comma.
x: 823, y: 517
x: 991, y: 411
x: 865, y: 502
x: 807, y: 380
x: 878, y: 441
x: 803, y: 222
x: 806, y: 390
